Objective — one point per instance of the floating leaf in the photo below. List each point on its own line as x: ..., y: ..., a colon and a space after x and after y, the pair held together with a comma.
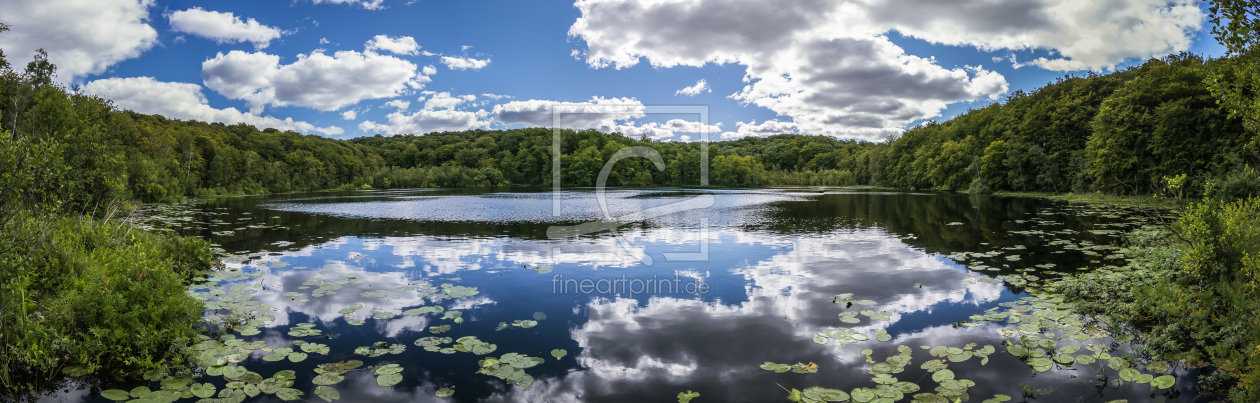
x: 558, y: 353
x: 1041, y: 364
x: 863, y: 394
x: 328, y: 379
x: 297, y: 357
x: 540, y: 316
x: 289, y: 394
x: 780, y: 368
x: 327, y: 393
x: 1163, y: 382
x: 685, y: 397
x: 942, y: 375
x: 115, y: 394
x: 445, y: 392
x: 202, y: 390
x: 388, y: 380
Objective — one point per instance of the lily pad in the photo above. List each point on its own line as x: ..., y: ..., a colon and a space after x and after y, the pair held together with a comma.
x: 540, y: 316
x: 445, y: 392
x: 558, y: 353
x: 942, y: 375
x: 202, y: 390
x: 327, y: 393
x: 289, y: 394
x: 388, y: 380
x: 115, y: 394
x: 1163, y: 382
x: 297, y: 357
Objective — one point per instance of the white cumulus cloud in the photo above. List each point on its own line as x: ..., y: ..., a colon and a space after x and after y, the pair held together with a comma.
x: 81, y: 36
x: 185, y: 101
x: 317, y: 81
x: 223, y: 27
x: 399, y: 104
x: 399, y: 45
x: 599, y: 113
x: 767, y: 128
x: 829, y: 67
x: 464, y: 63
x: 349, y: 115
x: 366, y: 4
x: 428, y: 121
x: 701, y: 86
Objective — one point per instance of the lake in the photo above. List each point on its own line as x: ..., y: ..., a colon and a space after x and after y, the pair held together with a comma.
x: 737, y: 295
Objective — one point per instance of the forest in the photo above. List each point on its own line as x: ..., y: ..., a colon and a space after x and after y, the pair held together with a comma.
x: 1138, y: 130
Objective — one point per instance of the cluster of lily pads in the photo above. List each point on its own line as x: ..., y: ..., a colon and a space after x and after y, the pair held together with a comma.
x: 510, y: 367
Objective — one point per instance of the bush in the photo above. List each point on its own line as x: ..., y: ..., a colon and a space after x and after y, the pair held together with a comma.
x: 979, y: 187
x: 1194, y: 297
x: 93, y: 295
x: 1239, y: 184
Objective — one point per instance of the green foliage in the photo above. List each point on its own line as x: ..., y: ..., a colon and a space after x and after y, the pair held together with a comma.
x: 1236, y: 80
x: 1193, y: 299
x: 95, y: 294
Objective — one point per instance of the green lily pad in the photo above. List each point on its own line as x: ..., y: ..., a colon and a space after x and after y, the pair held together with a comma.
x: 863, y: 394
x: 445, y: 392
x: 251, y: 390
x: 540, y: 316
x: 388, y: 380
x: 297, y: 357
x: 327, y: 393
x: 559, y: 353
x: 115, y: 394
x: 942, y: 375
x: 1041, y: 364
x: 328, y: 379
x: 1163, y: 382
x: 289, y: 394
x: 202, y: 390
x: 780, y: 368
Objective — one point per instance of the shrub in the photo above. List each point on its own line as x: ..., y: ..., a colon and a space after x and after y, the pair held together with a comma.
x: 95, y: 295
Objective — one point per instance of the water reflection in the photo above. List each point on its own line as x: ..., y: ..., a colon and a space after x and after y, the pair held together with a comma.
x: 776, y: 260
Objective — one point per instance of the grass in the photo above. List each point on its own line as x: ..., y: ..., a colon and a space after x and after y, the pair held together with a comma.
x: 1103, y: 198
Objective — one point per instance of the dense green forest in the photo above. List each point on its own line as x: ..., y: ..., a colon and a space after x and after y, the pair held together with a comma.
x: 1133, y: 131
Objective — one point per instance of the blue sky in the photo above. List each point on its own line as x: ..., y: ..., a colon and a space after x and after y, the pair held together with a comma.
x: 346, y: 68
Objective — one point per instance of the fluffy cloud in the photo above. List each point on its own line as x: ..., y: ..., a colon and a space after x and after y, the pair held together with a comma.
x: 315, y: 81
x: 349, y: 115
x: 767, y: 128
x: 701, y: 86
x: 437, y: 115
x: 223, y: 27
x: 185, y: 101
x: 599, y: 113
x: 1093, y: 35
x: 444, y: 100
x: 399, y: 104
x: 401, y: 45
x: 464, y: 63
x: 366, y: 4
x: 829, y: 67
x: 81, y: 36
x: 661, y: 131
x: 428, y: 121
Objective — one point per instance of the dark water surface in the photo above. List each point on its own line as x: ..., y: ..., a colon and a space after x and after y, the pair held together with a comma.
x: 753, y: 279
